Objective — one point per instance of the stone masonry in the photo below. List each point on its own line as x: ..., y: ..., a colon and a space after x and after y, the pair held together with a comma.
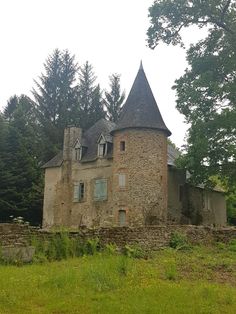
x: 145, y: 197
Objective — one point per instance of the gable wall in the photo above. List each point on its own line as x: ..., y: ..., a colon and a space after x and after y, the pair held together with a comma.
x: 50, y: 202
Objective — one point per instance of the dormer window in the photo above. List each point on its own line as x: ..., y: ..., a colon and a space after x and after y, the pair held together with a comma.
x: 78, y: 150
x: 101, y: 150
x: 102, y: 146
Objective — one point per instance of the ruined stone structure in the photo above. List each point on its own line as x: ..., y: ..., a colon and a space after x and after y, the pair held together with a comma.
x: 124, y: 174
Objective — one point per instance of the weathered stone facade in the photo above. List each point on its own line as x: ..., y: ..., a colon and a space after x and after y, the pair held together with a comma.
x: 121, y: 174
x: 145, y: 164
x: 188, y: 204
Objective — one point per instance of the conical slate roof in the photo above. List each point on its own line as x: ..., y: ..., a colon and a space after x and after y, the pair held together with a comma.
x: 140, y: 109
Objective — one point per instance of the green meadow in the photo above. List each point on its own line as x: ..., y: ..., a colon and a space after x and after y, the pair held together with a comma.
x: 196, y: 280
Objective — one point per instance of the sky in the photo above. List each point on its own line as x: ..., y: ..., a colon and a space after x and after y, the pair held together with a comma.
x: 110, y: 34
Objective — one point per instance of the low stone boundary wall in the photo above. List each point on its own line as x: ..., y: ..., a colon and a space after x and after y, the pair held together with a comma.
x: 149, y: 238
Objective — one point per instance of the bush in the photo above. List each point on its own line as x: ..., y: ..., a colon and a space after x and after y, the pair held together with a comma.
x: 111, y: 249
x: 92, y: 246
x: 179, y: 241
x: 134, y: 251
x: 232, y: 245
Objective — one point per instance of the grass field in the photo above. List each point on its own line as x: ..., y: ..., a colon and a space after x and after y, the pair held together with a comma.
x: 201, y: 280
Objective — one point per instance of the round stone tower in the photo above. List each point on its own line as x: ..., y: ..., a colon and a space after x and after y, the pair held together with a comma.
x: 140, y: 159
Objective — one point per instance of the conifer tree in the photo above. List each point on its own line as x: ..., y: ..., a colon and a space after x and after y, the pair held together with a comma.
x: 114, y: 98
x: 20, y: 175
x: 56, y: 98
x: 10, y: 107
x: 90, y: 105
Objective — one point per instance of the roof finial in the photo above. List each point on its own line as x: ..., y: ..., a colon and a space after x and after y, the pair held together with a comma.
x: 141, y: 65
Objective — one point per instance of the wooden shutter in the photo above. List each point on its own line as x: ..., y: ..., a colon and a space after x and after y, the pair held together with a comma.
x: 76, y: 197
x: 100, y: 189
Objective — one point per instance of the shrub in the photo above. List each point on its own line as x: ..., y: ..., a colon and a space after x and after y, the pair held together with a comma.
x: 220, y: 246
x: 111, y: 249
x: 232, y: 245
x: 179, y: 241
x: 92, y: 246
x: 134, y: 251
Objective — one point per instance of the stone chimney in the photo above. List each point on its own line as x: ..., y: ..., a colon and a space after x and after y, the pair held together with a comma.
x: 71, y: 134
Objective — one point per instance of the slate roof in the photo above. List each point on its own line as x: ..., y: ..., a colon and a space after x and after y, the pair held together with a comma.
x: 172, y: 155
x: 92, y: 135
x: 140, y: 109
x: 91, y: 154
x: 55, y: 161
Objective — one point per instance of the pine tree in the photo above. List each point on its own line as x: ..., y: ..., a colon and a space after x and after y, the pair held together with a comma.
x: 10, y: 107
x: 20, y: 175
x: 114, y: 98
x: 56, y: 98
x: 90, y: 106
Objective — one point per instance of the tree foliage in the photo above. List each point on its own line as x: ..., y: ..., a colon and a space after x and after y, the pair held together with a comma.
x: 20, y: 175
x: 114, y: 98
x: 56, y: 98
x: 31, y: 131
x: 206, y: 93
x: 90, y: 105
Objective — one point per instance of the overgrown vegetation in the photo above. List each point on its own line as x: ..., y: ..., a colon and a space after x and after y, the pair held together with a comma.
x: 206, y: 93
x: 200, y: 280
x: 179, y: 241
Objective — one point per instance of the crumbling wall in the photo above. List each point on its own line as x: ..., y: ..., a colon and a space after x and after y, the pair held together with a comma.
x: 149, y: 238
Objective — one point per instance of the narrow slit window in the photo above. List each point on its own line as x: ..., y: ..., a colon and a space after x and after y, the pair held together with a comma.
x: 122, y: 146
x: 122, y: 217
x: 122, y: 180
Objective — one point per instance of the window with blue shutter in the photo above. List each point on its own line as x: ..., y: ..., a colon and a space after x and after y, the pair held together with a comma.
x: 76, y: 192
x: 100, y: 189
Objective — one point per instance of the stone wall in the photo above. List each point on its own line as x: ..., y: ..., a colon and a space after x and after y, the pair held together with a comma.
x: 149, y: 238
x: 144, y: 162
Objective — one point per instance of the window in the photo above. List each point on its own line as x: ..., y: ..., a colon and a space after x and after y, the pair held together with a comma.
x: 77, y: 153
x: 79, y: 192
x: 101, y: 150
x: 122, y: 217
x: 78, y: 150
x: 100, y: 190
x: 122, y: 179
x: 102, y: 146
x: 122, y: 146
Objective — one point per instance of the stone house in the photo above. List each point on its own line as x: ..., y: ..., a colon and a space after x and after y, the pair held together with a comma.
x: 124, y: 174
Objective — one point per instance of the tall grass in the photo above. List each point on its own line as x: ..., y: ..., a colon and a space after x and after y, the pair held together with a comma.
x: 111, y: 283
